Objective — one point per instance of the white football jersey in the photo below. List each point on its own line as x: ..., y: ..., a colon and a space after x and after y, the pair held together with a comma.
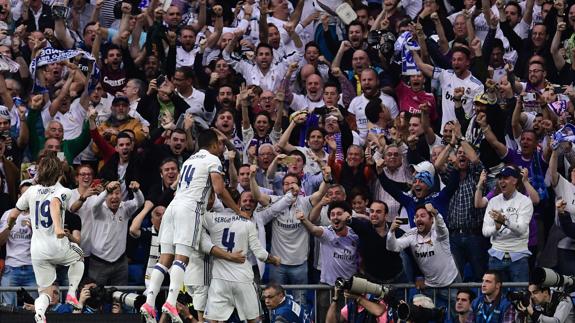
x: 37, y: 199
x: 449, y: 81
x: 195, y: 184
x: 359, y: 103
x: 232, y: 232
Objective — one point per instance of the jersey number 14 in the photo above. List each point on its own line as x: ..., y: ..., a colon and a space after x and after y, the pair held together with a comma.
x: 186, y: 175
x: 42, y: 216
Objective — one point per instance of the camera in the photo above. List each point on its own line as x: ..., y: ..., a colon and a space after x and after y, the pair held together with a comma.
x: 160, y: 80
x: 381, y: 40
x: 519, y: 296
x: 546, y: 277
x: 360, y: 286
x: 415, y: 313
x: 59, y: 11
x: 131, y: 300
x: 100, y: 295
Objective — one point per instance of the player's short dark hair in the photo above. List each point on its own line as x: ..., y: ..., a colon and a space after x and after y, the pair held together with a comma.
x: 207, y: 138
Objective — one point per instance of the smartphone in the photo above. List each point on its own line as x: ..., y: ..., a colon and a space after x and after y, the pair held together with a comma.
x: 529, y: 97
x: 96, y: 182
x: 558, y: 89
x: 160, y: 80
x: 403, y: 220
x: 61, y: 156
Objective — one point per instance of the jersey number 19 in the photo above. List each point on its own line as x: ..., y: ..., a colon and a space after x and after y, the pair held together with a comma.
x: 42, y: 216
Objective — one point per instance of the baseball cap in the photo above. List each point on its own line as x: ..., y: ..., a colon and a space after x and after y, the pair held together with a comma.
x: 424, y: 166
x: 508, y: 171
x: 481, y: 98
x: 120, y: 98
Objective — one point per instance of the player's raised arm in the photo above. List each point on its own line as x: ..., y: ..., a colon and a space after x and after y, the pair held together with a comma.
x: 220, y: 189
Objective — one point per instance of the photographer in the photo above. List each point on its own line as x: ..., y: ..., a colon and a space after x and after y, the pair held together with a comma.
x: 282, y: 307
x: 358, y: 308
x: 548, y: 306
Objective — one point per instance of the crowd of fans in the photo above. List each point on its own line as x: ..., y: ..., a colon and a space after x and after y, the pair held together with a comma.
x: 425, y: 141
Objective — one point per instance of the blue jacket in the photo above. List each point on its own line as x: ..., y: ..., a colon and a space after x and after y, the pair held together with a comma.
x: 289, y: 311
x: 485, y: 314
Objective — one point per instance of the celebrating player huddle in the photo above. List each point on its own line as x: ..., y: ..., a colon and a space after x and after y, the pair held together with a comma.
x: 182, y: 236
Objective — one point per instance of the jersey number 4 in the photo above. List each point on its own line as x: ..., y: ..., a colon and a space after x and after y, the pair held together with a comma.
x: 228, y: 240
x: 186, y: 175
x: 43, y: 214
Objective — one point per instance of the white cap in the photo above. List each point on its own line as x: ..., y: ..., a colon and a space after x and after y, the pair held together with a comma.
x: 4, y: 112
x: 424, y: 166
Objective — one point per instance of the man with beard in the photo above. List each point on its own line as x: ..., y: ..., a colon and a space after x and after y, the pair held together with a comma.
x: 185, y: 53
x: 371, y: 90
x: 429, y: 244
x: 506, y: 223
x: 466, y: 239
x: 225, y: 124
x: 290, y: 241
x: 338, y: 245
x: 264, y: 73
x: 108, y: 263
x: 124, y: 166
x: 118, y: 67
x: 119, y: 121
x: 458, y: 76
x: 226, y: 98
x: 356, y: 43
x: 379, y: 264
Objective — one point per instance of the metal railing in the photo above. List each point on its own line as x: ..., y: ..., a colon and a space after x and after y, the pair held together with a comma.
x: 406, y: 288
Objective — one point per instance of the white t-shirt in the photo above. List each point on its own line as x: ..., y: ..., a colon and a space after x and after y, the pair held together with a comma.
x: 232, y: 232
x: 450, y: 81
x: 18, y: 244
x: 357, y: 107
x: 185, y: 58
x: 37, y: 198
x: 195, y: 184
x: 72, y: 121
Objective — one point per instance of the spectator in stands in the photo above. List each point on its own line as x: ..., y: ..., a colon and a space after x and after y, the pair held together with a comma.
x: 18, y: 266
x: 506, y: 223
x: 108, y: 263
x: 463, y: 303
x: 492, y: 302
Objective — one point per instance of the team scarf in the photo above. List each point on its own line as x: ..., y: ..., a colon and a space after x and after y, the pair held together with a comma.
x: 50, y: 55
x: 403, y: 46
x: 7, y: 64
